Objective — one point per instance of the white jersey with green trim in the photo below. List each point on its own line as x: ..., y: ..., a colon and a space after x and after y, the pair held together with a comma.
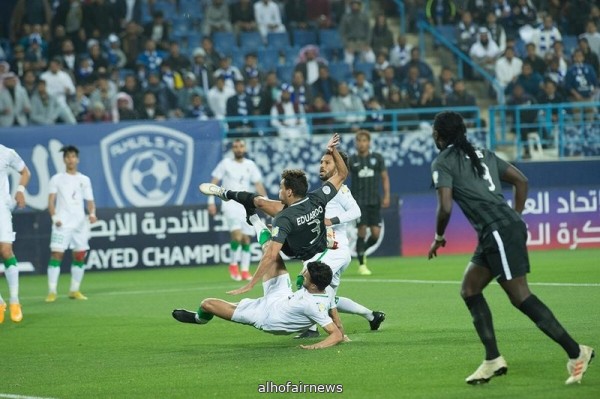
x: 237, y: 175
x: 9, y: 159
x: 71, y: 190
x: 344, y: 207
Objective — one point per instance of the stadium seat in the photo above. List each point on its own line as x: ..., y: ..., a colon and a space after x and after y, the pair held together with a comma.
x: 570, y: 44
x: 330, y: 38
x: 365, y: 67
x: 340, y: 71
x: 291, y: 54
x: 181, y: 27
x: 304, y: 37
x: 268, y: 59
x: 5, y: 44
x: 224, y: 42
x: 278, y: 40
x: 194, y: 40
x: 448, y: 31
x: 284, y: 73
x: 250, y: 41
x: 166, y: 7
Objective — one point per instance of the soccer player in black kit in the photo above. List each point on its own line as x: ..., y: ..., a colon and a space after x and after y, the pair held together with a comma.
x: 473, y: 179
x: 299, y: 216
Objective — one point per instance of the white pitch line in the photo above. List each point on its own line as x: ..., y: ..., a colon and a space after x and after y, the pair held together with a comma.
x: 368, y: 280
x: 11, y: 396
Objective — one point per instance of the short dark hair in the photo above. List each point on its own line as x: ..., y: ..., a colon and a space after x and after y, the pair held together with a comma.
x: 363, y: 133
x: 320, y: 274
x: 343, y: 154
x: 295, y: 180
x: 69, y: 148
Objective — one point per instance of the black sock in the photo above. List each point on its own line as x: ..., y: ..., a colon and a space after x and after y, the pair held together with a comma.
x: 370, y: 242
x: 243, y: 197
x: 545, y: 320
x: 482, y: 320
x: 360, y: 250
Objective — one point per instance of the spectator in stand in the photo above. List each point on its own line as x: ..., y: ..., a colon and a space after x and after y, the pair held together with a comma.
x: 296, y: 14
x: 98, y: 19
x: 67, y: 56
x: 14, y: 102
x: 381, y: 63
x: 460, y: 98
x: 216, y: 18
x: 166, y: 100
x: 425, y: 71
x: 211, y: 56
x: 99, y: 61
x: 203, y: 72
x: 97, y: 114
x: 217, y: 97
x: 287, y: 117
x: 537, y: 63
x: 576, y: 13
x: 240, y: 106
x: 400, y: 53
x: 197, y: 110
x: 29, y: 82
x: 302, y: 92
x: 375, y: 118
x: 348, y: 107
x: 550, y: 95
x: 556, y: 75
x: 361, y: 87
x: 412, y: 86
x: 309, y: 63
x: 446, y: 83
x: 115, y: 55
x: 123, y: 108
x: 440, y: 12
x: 19, y: 64
x: 254, y: 90
x: 558, y: 51
x: 496, y: 31
x: 381, y: 35
x: 151, y: 58
x: 127, y: 11
x: 502, y: 10
x: 485, y: 51
x: 592, y: 36
x: 132, y: 87
x: 530, y: 81
x: 524, y: 17
x: 268, y: 17
x: 172, y: 79
x: 396, y: 101
x: 383, y: 87
x: 177, y: 61
x: 229, y: 72
x: 582, y: 83
x: 35, y: 51
x: 190, y: 89
x: 589, y: 57
x: 545, y: 36
x: 478, y: 9
x: 319, y: 13
x: 46, y: 109
x: 132, y: 43
x: 428, y: 99
x: 31, y: 12
x: 58, y: 83
x: 269, y: 93
x: 242, y: 16
x: 149, y: 110
x: 158, y: 30
x: 326, y: 86
x: 527, y: 117
x: 69, y: 15
x: 466, y: 37
x: 508, y: 68
x: 355, y: 32
x: 320, y: 124
x: 105, y: 92
x: 250, y: 66
x: 80, y: 103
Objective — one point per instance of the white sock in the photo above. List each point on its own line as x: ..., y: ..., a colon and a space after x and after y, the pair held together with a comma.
x: 76, y: 277
x: 12, y: 277
x: 347, y: 305
x: 53, y: 273
x: 245, y: 263
x: 236, y: 256
x: 2, y: 300
x: 263, y: 233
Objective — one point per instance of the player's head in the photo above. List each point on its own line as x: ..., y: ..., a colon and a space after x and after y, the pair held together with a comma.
x: 449, y: 129
x: 293, y: 185
x: 70, y: 156
x: 319, y: 274
x: 362, y: 141
x: 239, y: 148
x: 327, y: 167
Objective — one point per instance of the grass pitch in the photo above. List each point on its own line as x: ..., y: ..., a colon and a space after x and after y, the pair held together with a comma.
x: 123, y: 342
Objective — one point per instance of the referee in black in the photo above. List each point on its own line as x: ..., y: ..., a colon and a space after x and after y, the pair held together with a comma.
x: 368, y: 173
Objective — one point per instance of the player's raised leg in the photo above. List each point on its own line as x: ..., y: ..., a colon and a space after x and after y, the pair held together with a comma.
x: 11, y: 272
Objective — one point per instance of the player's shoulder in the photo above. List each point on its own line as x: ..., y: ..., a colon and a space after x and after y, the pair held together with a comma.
x: 344, y: 190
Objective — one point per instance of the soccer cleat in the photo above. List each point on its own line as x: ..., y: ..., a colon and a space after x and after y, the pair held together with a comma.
x: 77, y: 295
x: 487, y: 370
x: 16, y: 314
x: 51, y: 297
x: 246, y: 275
x: 234, y: 273
x: 364, y: 271
x: 577, y: 367
x: 307, y: 334
x: 378, y: 318
x: 2, y: 310
x: 213, y: 189
x: 184, y: 316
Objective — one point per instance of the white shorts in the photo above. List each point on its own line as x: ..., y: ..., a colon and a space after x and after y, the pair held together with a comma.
x: 253, y: 311
x: 234, y: 214
x: 337, y: 259
x: 74, y: 238
x: 7, y: 234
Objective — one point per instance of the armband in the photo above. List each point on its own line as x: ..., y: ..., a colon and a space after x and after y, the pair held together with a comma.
x: 20, y: 188
x: 439, y: 238
x: 335, y: 220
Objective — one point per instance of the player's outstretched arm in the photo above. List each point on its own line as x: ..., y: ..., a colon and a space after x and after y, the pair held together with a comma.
x: 267, y: 263
x: 342, y: 170
x: 23, y: 181
x: 444, y: 210
x: 515, y: 177
x: 335, y: 337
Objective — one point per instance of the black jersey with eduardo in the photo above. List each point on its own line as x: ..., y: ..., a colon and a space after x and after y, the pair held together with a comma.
x: 480, y: 198
x: 366, y: 177
x: 300, y: 227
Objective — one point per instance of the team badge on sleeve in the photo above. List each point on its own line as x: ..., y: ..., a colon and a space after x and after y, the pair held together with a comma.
x: 326, y: 190
x: 275, y: 231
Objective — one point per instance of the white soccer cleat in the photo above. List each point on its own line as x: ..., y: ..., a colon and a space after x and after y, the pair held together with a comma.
x: 577, y: 367
x: 487, y: 370
x: 213, y: 189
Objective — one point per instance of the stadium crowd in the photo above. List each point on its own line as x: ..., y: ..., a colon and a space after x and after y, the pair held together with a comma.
x: 89, y: 61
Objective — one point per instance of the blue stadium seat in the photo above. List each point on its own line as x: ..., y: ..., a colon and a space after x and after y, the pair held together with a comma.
x: 340, y: 71
x: 330, y: 38
x: 449, y: 32
x: 5, y: 44
x: 365, y: 67
x: 194, y: 40
x: 278, y: 40
x: 291, y: 53
x: 167, y: 8
x: 284, y: 73
x: 570, y: 43
x: 304, y: 37
x: 268, y: 59
x: 224, y: 42
x: 250, y: 41
x: 181, y: 27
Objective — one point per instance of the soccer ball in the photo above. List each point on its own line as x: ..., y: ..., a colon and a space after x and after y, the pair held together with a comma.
x: 153, y: 174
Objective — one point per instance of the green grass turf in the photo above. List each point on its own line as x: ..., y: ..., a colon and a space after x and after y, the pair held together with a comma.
x: 123, y: 343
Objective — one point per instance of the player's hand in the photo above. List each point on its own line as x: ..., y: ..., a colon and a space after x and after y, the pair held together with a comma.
x: 333, y: 142
x: 212, y: 209
x: 346, y: 339
x: 93, y: 219
x: 242, y: 290
x: 20, y: 198
x: 328, y: 222
x: 435, y: 245
x: 309, y: 347
x: 385, y: 203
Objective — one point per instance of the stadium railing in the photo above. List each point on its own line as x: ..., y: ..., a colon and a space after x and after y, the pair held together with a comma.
x: 402, y: 14
x: 546, y: 131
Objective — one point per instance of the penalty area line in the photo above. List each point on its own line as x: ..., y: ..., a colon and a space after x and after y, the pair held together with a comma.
x: 403, y: 281
x: 12, y: 396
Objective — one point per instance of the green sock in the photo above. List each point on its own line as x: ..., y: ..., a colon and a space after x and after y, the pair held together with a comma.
x: 54, y: 262
x: 204, y: 316
x: 299, y: 281
x: 234, y: 245
x: 264, y: 236
x: 10, y: 262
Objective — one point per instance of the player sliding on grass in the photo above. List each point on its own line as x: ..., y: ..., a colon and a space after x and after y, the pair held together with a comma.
x: 473, y: 179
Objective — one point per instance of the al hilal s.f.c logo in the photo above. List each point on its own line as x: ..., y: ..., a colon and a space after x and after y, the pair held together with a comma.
x: 147, y: 165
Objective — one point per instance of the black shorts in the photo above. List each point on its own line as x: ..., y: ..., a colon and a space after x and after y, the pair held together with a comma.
x: 504, y: 252
x: 370, y: 215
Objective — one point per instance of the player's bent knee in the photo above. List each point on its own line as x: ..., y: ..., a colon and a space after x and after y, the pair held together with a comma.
x: 207, y: 305
x: 79, y: 256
